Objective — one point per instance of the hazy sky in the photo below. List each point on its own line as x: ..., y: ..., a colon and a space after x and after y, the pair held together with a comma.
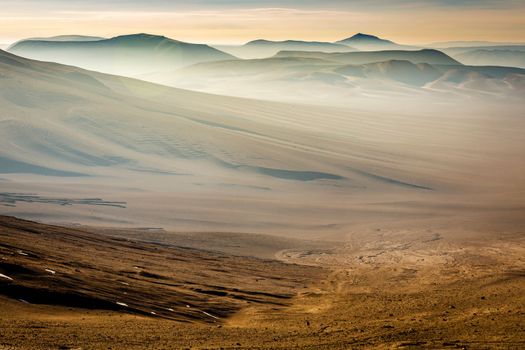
x: 236, y: 21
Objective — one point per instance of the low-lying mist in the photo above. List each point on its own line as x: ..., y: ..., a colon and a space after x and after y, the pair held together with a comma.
x: 343, y: 138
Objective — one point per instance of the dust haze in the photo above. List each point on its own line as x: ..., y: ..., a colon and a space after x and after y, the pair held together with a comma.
x: 383, y: 183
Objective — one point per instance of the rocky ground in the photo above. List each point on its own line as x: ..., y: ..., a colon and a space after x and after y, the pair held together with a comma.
x: 61, y: 289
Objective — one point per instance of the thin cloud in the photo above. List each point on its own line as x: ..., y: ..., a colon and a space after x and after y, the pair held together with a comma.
x: 240, y: 21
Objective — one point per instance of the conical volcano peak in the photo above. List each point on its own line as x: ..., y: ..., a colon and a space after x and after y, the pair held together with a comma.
x: 364, y: 36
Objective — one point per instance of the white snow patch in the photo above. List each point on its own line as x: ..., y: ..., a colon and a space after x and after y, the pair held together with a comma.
x: 207, y: 314
x: 6, y: 277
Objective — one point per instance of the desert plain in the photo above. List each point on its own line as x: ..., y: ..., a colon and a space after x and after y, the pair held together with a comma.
x: 145, y: 216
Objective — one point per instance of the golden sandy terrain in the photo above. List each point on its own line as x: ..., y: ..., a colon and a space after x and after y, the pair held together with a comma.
x: 388, y: 288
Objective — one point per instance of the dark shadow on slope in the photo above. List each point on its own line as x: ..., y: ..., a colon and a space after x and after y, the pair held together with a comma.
x: 11, y: 166
x: 10, y: 199
x: 389, y: 180
x: 296, y: 175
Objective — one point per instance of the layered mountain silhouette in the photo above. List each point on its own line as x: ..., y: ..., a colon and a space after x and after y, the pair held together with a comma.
x: 395, y: 70
x: 295, y: 67
x: 140, y: 54
x: 266, y: 48
x: 330, y: 76
x: 466, y: 44
x: 64, y: 38
x: 508, y: 58
x: 464, y: 49
x: 421, y: 56
x: 122, y: 55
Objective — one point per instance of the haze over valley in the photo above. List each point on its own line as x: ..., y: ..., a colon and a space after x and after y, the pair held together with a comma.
x: 357, y: 192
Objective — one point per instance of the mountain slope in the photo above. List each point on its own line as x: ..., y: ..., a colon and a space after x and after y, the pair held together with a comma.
x: 138, y: 144
x: 81, y: 146
x: 45, y: 266
x: 123, y: 55
x: 402, y: 71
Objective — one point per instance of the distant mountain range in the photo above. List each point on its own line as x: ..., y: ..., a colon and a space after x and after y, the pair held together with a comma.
x: 266, y: 48
x: 298, y: 45
x: 316, y: 76
x: 95, y: 52
x: 492, y: 57
x: 464, y: 49
x: 362, y: 60
x: 449, y: 44
x: 400, y: 71
x: 123, y: 55
x: 421, y: 56
x: 65, y: 38
x: 62, y: 38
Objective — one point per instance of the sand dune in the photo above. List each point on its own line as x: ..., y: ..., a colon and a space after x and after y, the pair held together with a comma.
x: 187, y: 160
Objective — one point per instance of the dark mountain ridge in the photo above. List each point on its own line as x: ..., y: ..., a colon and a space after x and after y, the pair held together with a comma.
x: 430, y: 56
x: 124, y: 55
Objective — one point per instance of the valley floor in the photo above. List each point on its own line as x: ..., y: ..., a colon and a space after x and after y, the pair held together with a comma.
x: 388, y: 289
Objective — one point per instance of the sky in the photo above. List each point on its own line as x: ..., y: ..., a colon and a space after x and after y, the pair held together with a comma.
x: 239, y: 21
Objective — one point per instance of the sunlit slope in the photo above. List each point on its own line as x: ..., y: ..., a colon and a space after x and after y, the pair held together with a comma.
x: 190, y: 160
x: 86, y: 122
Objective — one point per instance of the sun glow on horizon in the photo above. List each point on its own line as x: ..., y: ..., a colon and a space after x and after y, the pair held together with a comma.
x: 235, y: 24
